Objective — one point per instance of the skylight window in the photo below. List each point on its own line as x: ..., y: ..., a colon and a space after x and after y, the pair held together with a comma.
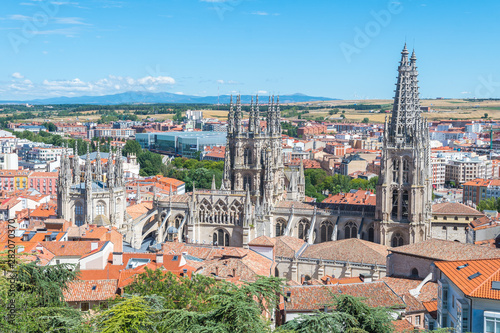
x: 94, y: 288
x: 473, y: 276
x: 462, y: 266
x: 495, y: 285
x: 175, y: 258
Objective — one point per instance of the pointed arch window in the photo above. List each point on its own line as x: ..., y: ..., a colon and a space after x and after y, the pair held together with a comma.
x: 371, y: 234
x: 280, y: 227
x: 397, y: 240
x: 350, y: 230
x: 395, y: 171
x: 406, y: 171
x: 247, y: 156
x: 405, y: 204
x: 220, y: 237
x: 395, y: 203
x: 326, y: 231
x: 247, y: 182
x: 304, y: 226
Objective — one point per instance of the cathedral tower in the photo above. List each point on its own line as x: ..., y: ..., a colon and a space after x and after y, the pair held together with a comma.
x: 404, y: 187
x: 253, y: 158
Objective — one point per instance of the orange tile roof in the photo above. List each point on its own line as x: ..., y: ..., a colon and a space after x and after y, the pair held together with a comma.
x: 72, y: 248
x: 90, y: 290
x: 454, y: 208
x: 311, y: 298
x: 403, y: 326
x: 139, y: 209
x: 352, y: 250
x: 439, y: 249
x: 44, y: 210
x: 480, y: 286
x: 360, y: 197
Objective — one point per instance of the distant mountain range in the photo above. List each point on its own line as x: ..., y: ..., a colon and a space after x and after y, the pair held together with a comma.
x: 137, y: 97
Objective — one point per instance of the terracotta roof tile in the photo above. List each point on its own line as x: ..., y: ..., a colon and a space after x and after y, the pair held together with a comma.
x: 403, y: 326
x: 468, y: 281
x: 359, y: 197
x: 353, y: 250
x: 439, y: 249
x: 454, y: 208
x: 310, y: 298
x: 90, y: 290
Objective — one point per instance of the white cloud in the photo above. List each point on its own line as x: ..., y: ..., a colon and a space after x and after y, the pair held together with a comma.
x: 227, y: 82
x: 262, y: 92
x: 23, y: 88
x: 70, y: 20
x: 465, y: 92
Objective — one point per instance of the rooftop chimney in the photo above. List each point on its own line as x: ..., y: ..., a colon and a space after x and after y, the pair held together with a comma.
x: 117, y: 258
x: 159, y: 258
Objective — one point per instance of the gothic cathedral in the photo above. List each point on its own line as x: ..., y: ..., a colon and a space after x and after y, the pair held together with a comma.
x: 404, y: 187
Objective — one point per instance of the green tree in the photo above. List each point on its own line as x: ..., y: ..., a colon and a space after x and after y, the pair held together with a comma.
x: 365, y: 120
x: 132, y: 147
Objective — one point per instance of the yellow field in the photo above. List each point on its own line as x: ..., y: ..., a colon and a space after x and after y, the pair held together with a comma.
x: 442, y: 109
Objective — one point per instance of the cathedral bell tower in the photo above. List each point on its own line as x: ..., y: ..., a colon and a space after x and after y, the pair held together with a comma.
x: 404, y: 187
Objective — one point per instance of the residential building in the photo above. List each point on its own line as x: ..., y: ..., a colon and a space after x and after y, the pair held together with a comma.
x: 43, y: 182
x: 450, y: 221
x: 469, y: 295
x: 9, y: 161
x: 11, y: 180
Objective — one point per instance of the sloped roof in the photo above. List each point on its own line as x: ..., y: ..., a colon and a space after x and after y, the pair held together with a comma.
x: 352, y: 249
x: 90, y: 290
x: 454, y: 208
x: 439, y: 249
x: 310, y: 298
x: 359, y: 197
x: 262, y: 241
x: 286, y: 246
x: 403, y: 326
x: 464, y: 275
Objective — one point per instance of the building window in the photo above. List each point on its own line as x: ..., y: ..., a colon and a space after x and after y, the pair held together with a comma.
x: 456, y: 218
x: 220, y: 238
x: 491, y: 322
x: 100, y: 208
x: 304, y: 226
x: 84, y: 306
x: 280, y: 227
x: 417, y: 320
x: 444, y: 228
x: 326, y: 231
x: 397, y: 240
x: 414, y: 272
x: 350, y: 230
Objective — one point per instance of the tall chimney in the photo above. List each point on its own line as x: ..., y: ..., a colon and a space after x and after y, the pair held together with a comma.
x: 117, y: 258
x: 159, y: 258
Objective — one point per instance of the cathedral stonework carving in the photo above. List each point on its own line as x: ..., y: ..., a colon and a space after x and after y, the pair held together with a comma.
x: 404, y: 186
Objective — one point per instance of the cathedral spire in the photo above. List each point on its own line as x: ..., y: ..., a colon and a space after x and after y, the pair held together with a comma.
x: 98, y: 170
x: 256, y: 116
x: 251, y: 122
x: 238, y: 116
x: 277, y: 115
x: 406, y: 108
x: 230, y: 117
x: 88, y: 166
x: 213, y: 182
x: 110, y: 173
x: 226, y: 181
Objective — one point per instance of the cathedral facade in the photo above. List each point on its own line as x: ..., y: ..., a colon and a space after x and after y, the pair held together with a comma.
x: 259, y: 196
x: 94, y: 195
x: 404, y: 193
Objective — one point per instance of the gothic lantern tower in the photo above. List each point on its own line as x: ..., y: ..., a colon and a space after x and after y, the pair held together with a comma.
x: 404, y: 187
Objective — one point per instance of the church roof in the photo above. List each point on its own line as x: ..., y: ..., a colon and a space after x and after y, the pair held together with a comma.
x: 438, y: 249
x: 352, y: 250
x: 262, y: 241
x: 295, y: 204
x: 101, y: 220
x: 454, y: 208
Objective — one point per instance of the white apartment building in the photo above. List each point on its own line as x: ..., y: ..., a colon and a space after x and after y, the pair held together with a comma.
x: 9, y: 161
x: 46, y: 154
x: 467, y: 169
x: 438, y: 171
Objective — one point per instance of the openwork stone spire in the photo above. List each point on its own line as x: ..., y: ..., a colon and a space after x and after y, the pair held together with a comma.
x: 406, y: 109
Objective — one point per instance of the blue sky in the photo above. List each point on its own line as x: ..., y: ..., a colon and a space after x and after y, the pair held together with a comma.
x: 340, y: 49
